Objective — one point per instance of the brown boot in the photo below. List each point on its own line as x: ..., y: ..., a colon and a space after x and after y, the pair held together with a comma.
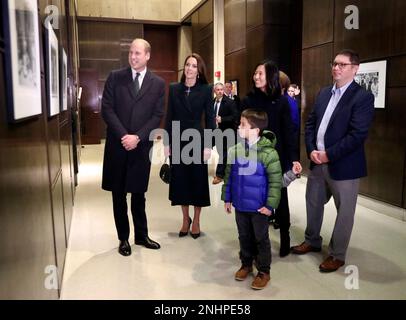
x: 260, y: 281
x: 242, y: 273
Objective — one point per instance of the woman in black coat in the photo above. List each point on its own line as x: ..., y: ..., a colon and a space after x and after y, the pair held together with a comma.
x: 266, y: 95
x: 189, y: 102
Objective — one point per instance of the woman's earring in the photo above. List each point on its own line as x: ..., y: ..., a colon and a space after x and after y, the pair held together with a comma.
x: 197, y: 76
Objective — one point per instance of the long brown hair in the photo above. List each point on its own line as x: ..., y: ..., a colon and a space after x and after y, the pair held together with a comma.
x: 201, y: 69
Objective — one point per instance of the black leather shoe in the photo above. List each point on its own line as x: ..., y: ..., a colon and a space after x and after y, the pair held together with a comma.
x: 147, y: 243
x: 124, y: 248
x: 184, y: 234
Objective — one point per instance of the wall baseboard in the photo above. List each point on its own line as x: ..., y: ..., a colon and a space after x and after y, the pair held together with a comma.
x: 382, y: 207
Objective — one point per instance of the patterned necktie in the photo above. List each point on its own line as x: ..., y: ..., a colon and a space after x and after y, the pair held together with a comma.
x: 136, y: 83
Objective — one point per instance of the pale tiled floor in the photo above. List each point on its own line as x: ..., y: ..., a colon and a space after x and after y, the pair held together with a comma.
x: 185, y: 268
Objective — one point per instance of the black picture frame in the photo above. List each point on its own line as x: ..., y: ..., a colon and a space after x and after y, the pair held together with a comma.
x: 63, y: 84
x: 22, y: 59
x: 52, y: 70
x: 372, y: 77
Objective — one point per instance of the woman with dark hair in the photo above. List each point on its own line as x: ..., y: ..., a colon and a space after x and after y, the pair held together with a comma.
x: 266, y: 95
x: 189, y: 101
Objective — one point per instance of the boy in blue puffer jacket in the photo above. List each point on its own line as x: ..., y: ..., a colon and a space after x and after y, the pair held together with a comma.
x: 252, y: 184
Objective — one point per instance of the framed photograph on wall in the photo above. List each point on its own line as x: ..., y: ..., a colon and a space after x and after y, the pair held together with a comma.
x: 22, y: 59
x: 372, y: 77
x: 63, y: 85
x: 235, y: 87
x: 52, y: 67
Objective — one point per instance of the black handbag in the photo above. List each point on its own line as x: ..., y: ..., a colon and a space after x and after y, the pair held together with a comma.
x: 165, y: 172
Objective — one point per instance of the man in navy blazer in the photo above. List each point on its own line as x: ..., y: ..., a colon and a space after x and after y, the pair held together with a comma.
x: 335, y: 134
x: 132, y: 106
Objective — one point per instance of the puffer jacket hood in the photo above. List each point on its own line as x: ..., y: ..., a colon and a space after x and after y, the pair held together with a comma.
x: 268, y: 139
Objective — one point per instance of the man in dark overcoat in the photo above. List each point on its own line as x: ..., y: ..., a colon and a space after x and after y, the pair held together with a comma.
x: 227, y: 117
x: 132, y: 106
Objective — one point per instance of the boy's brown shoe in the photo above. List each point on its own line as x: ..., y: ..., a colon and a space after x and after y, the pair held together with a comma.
x: 260, y: 281
x: 243, y: 273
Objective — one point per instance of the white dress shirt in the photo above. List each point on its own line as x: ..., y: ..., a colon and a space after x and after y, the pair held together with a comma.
x: 337, y: 93
x: 217, y: 104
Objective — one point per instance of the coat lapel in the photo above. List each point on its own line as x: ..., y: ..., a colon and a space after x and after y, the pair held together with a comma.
x: 222, y: 106
x: 183, y: 99
x: 146, y: 83
x: 130, y: 84
x: 345, y: 99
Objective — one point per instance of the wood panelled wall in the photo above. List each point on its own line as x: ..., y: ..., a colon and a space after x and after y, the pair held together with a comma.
x: 104, y: 47
x: 261, y: 29
x: 324, y: 34
x: 164, y: 55
x: 36, y: 182
x: 202, y: 35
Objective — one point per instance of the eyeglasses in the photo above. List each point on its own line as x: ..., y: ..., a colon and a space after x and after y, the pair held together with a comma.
x: 340, y: 65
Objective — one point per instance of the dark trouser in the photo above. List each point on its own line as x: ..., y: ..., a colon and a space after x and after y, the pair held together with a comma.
x: 282, y: 216
x: 254, y: 240
x: 221, y: 166
x: 138, y: 212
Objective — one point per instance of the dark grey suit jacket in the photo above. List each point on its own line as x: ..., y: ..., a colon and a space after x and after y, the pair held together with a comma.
x: 229, y: 114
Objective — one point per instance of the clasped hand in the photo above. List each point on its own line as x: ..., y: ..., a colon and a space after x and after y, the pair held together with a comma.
x: 319, y: 157
x: 130, y: 141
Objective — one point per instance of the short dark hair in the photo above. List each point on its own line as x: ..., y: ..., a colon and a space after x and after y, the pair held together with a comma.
x: 257, y: 118
x: 354, y: 56
x: 201, y: 69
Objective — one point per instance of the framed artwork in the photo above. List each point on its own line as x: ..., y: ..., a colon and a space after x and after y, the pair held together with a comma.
x: 22, y: 59
x: 372, y: 77
x: 63, y: 85
x: 235, y: 87
x: 52, y: 67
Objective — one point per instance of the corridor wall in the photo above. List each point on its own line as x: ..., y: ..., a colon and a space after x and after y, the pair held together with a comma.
x: 381, y: 36
x: 36, y: 179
